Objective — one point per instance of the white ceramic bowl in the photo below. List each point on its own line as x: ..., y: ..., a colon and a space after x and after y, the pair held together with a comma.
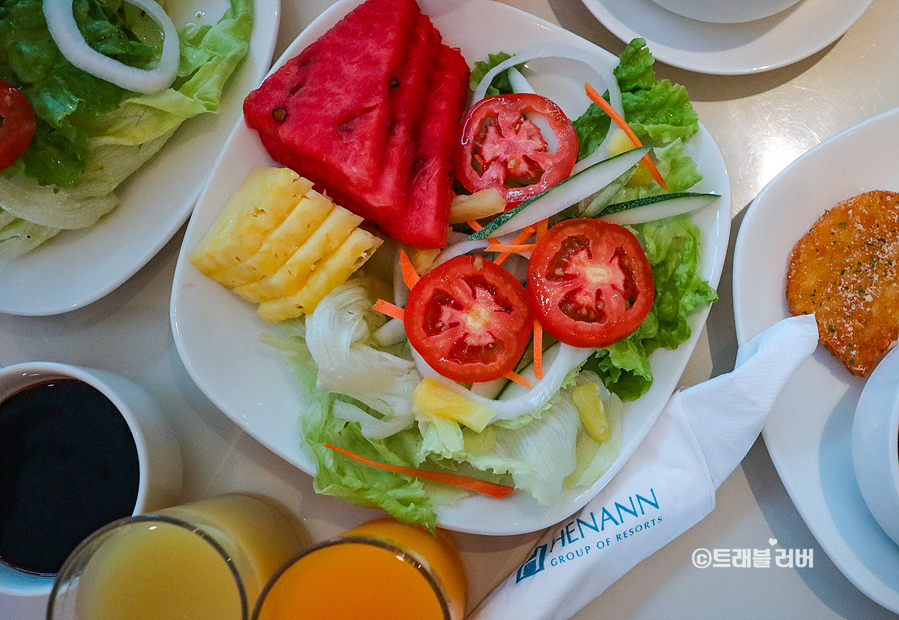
x: 158, y: 451
x: 726, y: 11
x: 875, y: 435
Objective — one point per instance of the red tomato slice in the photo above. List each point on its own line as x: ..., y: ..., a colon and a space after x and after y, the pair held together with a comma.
x: 590, y: 282
x: 502, y: 149
x: 469, y: 319
x: 16, y: 124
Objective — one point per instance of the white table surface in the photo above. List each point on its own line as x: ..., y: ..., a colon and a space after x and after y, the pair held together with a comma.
x: 761, y: 122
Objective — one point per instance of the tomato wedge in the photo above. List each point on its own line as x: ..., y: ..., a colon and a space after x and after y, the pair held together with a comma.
x: 504, y: 150
x: 469, y: 318
x: 590, y: 282
x: 17, y: 124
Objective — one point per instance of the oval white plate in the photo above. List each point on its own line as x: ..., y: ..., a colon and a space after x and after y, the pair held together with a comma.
x: 79, y: 267
x: 808, y: 433
x: 217, y: 334
x: 730, y: 49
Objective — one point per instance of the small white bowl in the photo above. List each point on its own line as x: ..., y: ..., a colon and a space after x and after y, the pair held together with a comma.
x: 726, y: 11
x: 158, y: 450
x: 875, y: 443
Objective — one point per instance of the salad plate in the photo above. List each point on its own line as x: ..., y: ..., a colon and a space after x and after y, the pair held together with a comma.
x: 218, y: 335
x: 808, y: 432
x: 730, y: 49
x: 78, y: 267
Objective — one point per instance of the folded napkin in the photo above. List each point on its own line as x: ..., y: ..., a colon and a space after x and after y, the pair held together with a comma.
x: 666, y: 487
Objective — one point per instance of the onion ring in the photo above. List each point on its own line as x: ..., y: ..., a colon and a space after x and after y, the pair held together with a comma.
x: 67, y: 36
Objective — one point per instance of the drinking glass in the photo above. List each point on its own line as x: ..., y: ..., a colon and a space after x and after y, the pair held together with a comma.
x: 205, y: 560
x: 381, y: 570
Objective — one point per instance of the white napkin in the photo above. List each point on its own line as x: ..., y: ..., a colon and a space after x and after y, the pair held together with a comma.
x: 666, y: 487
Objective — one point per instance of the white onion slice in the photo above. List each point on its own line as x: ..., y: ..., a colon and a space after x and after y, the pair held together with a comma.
x: 602, y: 62
x: 558, y: 360
x: 67, y: 36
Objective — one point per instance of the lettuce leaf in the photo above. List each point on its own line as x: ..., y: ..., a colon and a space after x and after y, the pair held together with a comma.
x: 658, y: 111
x: 501, y: 85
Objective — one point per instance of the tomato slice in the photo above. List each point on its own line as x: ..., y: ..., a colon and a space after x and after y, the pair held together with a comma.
x: 16, y: 124
x: 590, y: 282
x: 469, y: 318
x: 504, y: 150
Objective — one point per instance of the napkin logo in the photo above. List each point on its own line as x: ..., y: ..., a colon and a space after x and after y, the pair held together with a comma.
x: 533, y: 564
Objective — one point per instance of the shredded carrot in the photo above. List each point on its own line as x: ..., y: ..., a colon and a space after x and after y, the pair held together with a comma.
x: 538, y: 350
x: 608, y: 109
x: 541, y: 227
x: 385, y: 307
x: 410, y: 276
x: 517, y: 378
x: 523, y: 236
x: 475, y: 225
x: 472, y: 484
x: 508, y: 248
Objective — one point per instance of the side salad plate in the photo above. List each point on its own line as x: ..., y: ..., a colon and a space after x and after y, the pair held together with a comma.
x: 78, y: 267
x: 218, y: 334
x: 808, y: 432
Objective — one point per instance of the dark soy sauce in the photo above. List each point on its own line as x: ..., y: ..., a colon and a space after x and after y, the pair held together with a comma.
x: 68, y: 466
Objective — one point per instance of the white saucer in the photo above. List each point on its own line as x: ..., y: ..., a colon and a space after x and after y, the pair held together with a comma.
x: 730, y: 49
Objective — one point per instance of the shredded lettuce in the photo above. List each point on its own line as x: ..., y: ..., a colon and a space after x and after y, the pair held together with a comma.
x: 91, y: 135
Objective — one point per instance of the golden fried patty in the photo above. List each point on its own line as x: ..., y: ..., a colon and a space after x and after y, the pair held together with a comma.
x: 844, y: 271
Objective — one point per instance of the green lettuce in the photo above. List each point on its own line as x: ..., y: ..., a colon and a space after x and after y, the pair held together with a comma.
x: 658, y: 111
x: 90, y: 134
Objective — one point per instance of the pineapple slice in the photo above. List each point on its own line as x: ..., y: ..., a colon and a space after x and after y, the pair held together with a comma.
x: 293, y: 232
x: 293, y: 274
x: 333, y: 271
x: 264, y: 199
x: 467, y: 207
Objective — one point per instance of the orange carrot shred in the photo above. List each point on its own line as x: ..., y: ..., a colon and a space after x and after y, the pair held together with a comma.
x: 523, y: 236
x: 385, y: 307
x: 540, y: 228
x: 472, y: 484
x: 475, y: 225
x: 538, y: 350
x: 608, y: 109
x: 509, y: 248
x: 410, y: 276
x: 517, y: 378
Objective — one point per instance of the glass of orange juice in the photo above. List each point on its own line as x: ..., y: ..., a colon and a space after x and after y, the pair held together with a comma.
x: 205, y: 560
x: 381, y: 570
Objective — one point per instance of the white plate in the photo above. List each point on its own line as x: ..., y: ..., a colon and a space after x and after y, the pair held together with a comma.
x: 730, y: 49
x: 808, y: 433
x: 79, y: 267
x: 217, y: 334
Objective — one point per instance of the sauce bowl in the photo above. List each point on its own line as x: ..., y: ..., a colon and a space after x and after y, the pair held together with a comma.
x: 875, y: 443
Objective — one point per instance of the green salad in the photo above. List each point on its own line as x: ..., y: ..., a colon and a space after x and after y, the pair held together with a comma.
x: 362, y: 393
x: 91, y: 134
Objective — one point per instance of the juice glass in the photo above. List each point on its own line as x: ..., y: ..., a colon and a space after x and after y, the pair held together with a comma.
x: 205, y: 560
x: 381, y: 570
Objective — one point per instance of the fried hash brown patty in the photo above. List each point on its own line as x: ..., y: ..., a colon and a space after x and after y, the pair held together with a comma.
x: 844, y: 271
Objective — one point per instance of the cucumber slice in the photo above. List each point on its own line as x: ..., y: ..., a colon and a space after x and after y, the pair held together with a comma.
x: 562, y: 195
x: 655, y: 207
x: 595, y: 204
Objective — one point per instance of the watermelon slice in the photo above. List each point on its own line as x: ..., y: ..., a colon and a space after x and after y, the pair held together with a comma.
x: 327, y: 112
x: 408, y: 105
x: 424, y: 223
